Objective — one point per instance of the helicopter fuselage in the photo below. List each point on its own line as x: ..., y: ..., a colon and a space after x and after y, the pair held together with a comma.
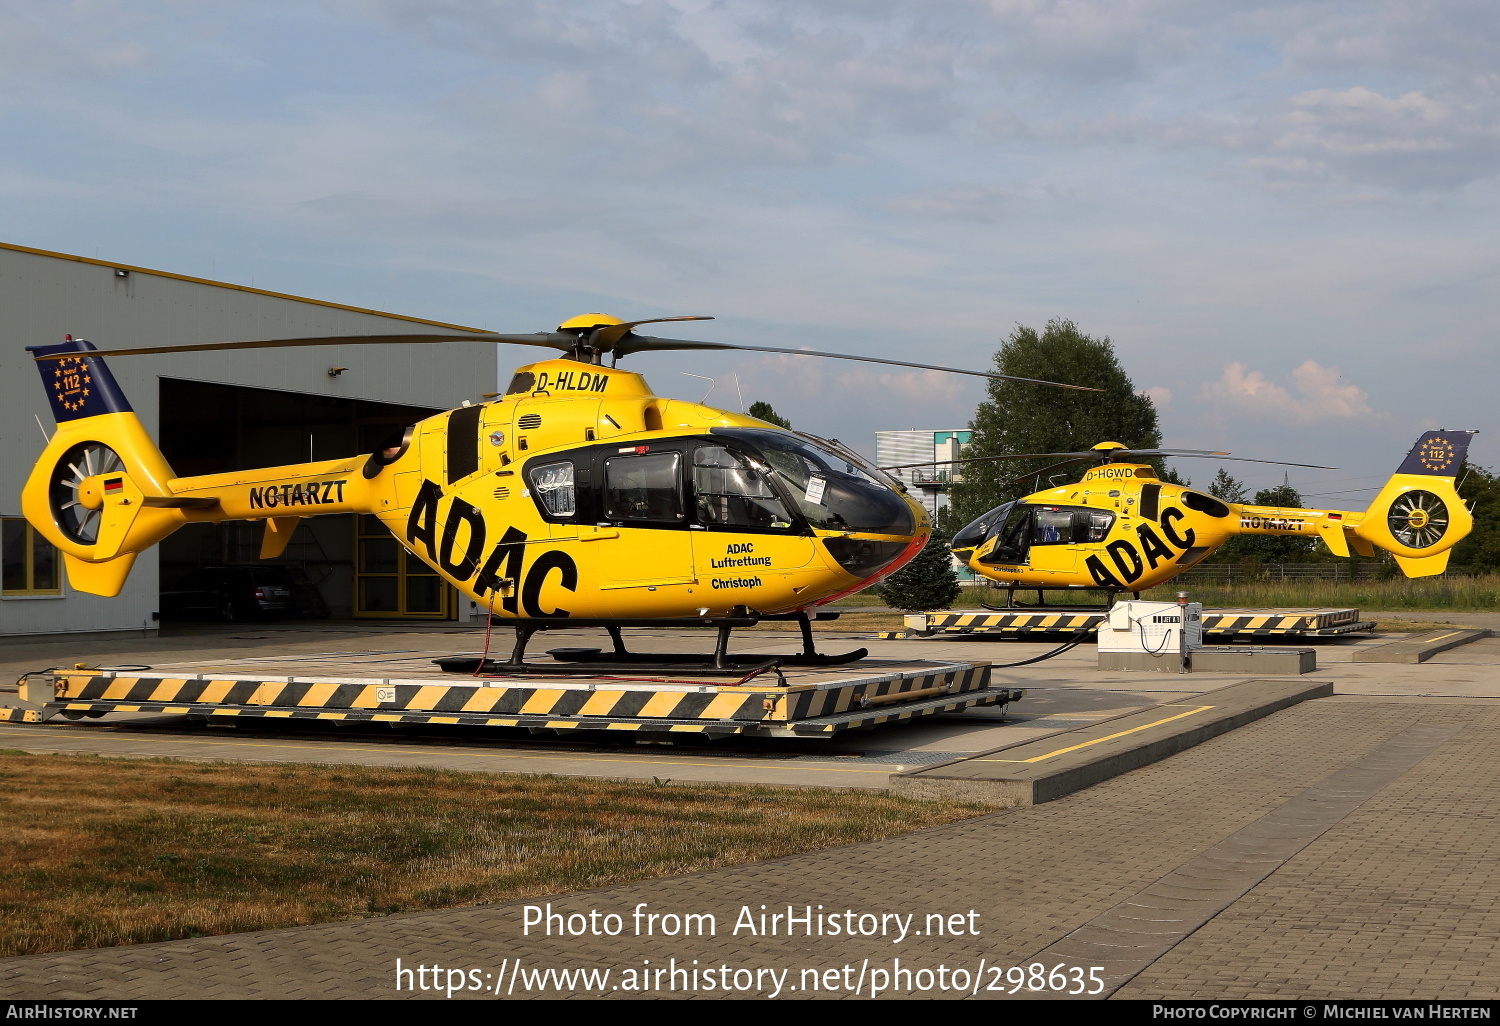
x: 1119, y: 527
x: 581, y: 494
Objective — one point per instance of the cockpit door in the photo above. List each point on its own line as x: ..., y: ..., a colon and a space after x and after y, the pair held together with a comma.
x: 1009, y: 538
x: 643, y: 499
x: 741, y: 521
x: 1052, y: 539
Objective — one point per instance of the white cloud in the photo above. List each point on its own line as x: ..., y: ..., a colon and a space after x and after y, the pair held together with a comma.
x: 863, y: 176
x: 1411, y: 140
x: 1159, y: 395
x: 1319, y: 394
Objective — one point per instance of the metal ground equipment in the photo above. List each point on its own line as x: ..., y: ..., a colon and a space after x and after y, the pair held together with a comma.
x: 1217, y: 623
x: 407, y: 688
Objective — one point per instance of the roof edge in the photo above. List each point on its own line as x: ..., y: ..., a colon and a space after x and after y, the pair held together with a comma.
x: 237, y: 288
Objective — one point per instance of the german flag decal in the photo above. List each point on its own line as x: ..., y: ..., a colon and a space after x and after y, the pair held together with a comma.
x: 113, y: 484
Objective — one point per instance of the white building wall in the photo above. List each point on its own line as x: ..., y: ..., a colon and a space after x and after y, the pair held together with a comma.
x: 894, y: 448
x: 46, y: 295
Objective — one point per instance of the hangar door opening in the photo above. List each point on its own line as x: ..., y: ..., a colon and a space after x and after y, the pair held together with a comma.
x: 339, y: 565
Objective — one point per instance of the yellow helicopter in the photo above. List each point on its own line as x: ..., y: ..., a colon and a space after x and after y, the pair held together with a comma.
x: 1120, y: 528
x: 576, y: 498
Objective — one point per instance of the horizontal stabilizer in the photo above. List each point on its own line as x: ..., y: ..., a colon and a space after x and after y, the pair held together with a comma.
x: 180, y: 501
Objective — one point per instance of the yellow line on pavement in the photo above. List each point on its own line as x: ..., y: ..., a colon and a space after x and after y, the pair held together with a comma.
x: 1440, y: 637
x: 340, y: 747
x: 1111, y: 737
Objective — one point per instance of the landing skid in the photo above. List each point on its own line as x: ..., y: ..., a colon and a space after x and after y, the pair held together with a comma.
x: 621, y: 659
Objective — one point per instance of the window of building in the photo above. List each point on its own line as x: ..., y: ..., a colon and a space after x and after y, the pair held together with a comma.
x: 28, y: 562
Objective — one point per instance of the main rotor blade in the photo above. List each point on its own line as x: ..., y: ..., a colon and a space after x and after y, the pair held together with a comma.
x: 547, y: 339
x: 1091, y: 454
x: 1109, y: 454
x: 642, y: 343
x: 1278, y: 463
x: 1045, y: 470
x: 623, y: 340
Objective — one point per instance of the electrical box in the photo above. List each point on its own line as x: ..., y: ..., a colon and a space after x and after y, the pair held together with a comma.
x: 1155, y: 628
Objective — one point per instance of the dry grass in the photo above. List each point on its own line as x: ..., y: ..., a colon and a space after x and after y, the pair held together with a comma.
x: 99, y: 852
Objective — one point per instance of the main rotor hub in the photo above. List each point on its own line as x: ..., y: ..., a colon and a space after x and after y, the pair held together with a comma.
x: 584, y: 322
x: 590, y: 347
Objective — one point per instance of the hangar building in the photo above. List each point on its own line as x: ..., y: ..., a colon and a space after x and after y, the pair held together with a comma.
x: 214, y: 412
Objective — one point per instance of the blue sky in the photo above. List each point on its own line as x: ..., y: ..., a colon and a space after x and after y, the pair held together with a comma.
x: 1283, y: 213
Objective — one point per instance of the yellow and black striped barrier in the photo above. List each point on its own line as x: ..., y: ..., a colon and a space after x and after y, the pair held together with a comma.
x: 821, y: 707
x: 1302, y: 623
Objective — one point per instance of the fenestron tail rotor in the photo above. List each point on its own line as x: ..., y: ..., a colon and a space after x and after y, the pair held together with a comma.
x: 1418, y: 519
x: 76, y: 514
x: 586, y: 338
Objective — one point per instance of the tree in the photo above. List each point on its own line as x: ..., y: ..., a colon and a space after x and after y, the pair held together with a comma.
x: 763, y: 411
x: 927, y: 582
x: 1227, y: 488
x: 1480, y: 488
x: 1017, y: 417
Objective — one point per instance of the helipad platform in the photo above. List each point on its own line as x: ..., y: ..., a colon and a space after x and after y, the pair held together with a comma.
x: 1224, y: 623
x: 407, y: 688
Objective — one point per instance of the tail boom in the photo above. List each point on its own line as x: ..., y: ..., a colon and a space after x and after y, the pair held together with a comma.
x: 101, y: 492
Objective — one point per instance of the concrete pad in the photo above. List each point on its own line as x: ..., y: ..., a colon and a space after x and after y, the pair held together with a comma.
x: 1421, y: 647
x: 1039, y: 771
x: 1217, y: 659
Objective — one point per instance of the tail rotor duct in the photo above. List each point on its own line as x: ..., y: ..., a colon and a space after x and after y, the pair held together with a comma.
x: 1418, y: 519
x: 79, y: 520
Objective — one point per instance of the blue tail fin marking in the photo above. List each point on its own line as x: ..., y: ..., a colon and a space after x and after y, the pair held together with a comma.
x: 81, y: 386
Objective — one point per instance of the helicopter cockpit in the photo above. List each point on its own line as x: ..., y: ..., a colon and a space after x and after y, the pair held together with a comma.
x: 737, y: 480
x: 829, y: 489
x: 1015, y: 527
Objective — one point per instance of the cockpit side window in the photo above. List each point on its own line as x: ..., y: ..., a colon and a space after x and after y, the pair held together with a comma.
x: 1051, y: 526
x: 646, y: 488
x: 1092, y: 525
x: 1060, y: 525
x: 729, y: 491
x: 832, y: 493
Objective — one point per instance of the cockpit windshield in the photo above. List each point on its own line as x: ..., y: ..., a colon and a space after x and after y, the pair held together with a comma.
x: 975, y: 533
x: 830, y: 491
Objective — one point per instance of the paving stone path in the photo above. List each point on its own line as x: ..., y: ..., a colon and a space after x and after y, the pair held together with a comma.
x: 1395, y: 897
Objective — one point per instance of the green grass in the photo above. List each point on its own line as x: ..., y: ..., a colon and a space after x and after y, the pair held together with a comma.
x: 97, y: 851
x: 1469, y: 594
x: 1454, y: 593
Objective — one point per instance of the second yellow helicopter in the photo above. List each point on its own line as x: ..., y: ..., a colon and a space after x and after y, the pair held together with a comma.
x: 1120, y: 528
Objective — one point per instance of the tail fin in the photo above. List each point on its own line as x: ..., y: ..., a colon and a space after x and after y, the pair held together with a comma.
x: 86, y: 493
x: 1418, y: 516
